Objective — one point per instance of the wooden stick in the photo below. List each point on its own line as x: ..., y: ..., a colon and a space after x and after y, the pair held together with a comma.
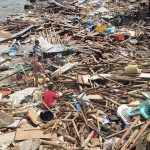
x: 127, y: 143
x: 123, y: 131
x: 48, y: 124
x: 75, y: 127
x: 126, y: 134
x: 88, y: 138
x: 53, y: 144
x: 111, y: 80
x: 116, y: 103
x: 67, y: 137
x: 140, y: 133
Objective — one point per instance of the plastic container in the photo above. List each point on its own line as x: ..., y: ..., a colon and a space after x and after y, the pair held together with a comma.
x: 122, y: 112
x: 110, y: 30
x: 143, y: 109
x: 101, y: 28
x: 119, y: 37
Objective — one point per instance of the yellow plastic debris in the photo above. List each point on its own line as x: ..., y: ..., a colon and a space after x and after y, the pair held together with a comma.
x: 132, y: 69
x: 101, y: 28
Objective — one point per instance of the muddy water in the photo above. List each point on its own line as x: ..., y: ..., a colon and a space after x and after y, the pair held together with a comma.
x: 8, y: 7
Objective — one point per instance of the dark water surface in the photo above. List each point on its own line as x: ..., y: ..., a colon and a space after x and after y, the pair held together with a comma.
x: 8, y: 7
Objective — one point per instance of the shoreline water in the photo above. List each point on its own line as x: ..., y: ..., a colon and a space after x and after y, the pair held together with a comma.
x: 11, y: 7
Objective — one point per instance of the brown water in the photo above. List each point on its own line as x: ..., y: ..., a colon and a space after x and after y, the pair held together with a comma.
x: 9, y: 7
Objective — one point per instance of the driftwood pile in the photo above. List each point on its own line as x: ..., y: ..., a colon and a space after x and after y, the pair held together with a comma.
x: 96, y: 70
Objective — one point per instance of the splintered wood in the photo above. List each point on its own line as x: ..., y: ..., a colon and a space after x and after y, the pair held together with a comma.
x: 96, y: 55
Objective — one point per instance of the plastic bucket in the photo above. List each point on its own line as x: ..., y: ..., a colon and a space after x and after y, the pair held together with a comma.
x: 46, y: 115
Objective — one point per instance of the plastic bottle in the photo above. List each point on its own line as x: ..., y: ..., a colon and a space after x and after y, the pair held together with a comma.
x: 78, y: 106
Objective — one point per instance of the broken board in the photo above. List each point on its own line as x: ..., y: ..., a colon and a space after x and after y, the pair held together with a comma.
x: 31, y: 134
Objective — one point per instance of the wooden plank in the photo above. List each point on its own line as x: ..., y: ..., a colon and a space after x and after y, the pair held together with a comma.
x: 126, y: 134
x: 33, y: 117
x: 144, y: 127
x: 31, y: 134
x: 127, y: 143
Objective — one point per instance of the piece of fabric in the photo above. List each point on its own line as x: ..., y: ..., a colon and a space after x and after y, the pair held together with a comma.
x: 37, y: 51
x: 48, y: 99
